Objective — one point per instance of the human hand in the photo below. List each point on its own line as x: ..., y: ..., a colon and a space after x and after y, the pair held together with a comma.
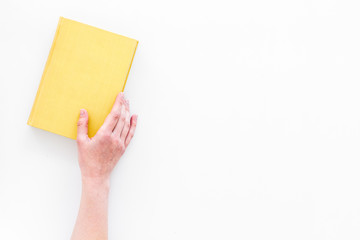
x: 99, y: 155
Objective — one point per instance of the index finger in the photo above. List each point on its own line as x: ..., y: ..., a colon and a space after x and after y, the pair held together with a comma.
x: 113, y: 117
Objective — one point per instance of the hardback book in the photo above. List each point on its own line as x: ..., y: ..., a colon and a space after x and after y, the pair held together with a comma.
x: 86, y: 68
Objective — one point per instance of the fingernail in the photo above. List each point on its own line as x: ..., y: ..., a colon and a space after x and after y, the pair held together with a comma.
x: 82, y: 112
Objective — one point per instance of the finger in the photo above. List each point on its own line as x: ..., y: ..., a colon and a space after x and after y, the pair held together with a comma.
x: 133, y: 122
x: 82, y: 125
x: 126, y: 128
x: 113, y: 117
x: 120, y: 124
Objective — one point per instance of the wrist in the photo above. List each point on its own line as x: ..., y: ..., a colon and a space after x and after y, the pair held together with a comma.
x: 96, y: 183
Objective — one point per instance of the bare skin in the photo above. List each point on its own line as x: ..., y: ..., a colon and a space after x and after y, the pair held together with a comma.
x: 97, y: 158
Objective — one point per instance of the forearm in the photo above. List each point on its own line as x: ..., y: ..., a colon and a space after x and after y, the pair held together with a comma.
x: 92, y: 220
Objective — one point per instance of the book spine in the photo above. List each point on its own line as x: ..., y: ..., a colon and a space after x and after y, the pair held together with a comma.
x: 38, y: 94
x: 137, y: 42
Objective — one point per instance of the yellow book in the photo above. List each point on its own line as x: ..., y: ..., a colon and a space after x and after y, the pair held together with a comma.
x: 86, y: 68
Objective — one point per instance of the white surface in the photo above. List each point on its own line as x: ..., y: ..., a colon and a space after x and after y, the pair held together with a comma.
x: 248, y: 121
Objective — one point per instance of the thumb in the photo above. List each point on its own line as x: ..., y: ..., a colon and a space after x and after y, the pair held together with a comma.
x: 82, y: 125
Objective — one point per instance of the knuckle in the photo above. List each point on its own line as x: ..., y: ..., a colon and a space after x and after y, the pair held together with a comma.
x: 116, y: 115
x: 114, y: 137
x: 105, y: 137
x: 123, y: 118
x: 117, y: 141
x: 79, y: 123
x: 82, y: 122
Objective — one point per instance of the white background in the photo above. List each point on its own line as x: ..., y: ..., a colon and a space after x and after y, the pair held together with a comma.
x: 249, y: 121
